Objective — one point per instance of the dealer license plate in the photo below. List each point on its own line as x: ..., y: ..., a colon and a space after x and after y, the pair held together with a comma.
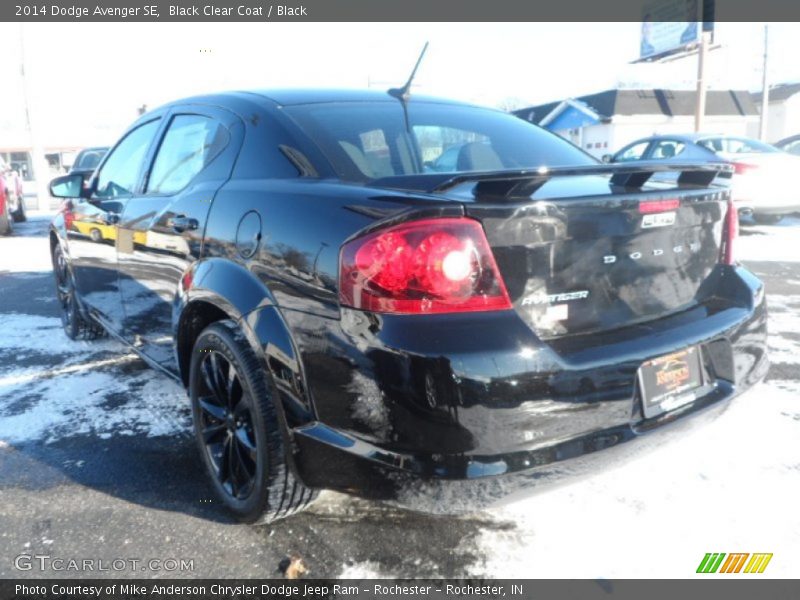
x: 670, y: 381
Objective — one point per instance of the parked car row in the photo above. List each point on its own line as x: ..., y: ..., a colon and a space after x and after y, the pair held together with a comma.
x: 763, y: 177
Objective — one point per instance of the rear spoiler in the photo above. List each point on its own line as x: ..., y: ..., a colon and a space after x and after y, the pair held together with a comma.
x: 506, y: 185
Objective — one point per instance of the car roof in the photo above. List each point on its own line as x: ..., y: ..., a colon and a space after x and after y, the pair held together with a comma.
x: 786, y: 140
x: 287, y: 97
x: 690, y: 137
x: 290, y: 97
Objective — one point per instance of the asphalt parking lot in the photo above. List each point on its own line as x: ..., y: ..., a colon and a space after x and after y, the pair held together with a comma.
x: 97, y: 462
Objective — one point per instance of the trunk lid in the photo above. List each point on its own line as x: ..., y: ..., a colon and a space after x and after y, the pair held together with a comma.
x: 595, y: 260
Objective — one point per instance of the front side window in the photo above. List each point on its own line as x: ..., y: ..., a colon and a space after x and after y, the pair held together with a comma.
x: 370, y: 140
x: 191, y: 143
x: 634, y: 152
x: 119, y: 174
x: 666, y: 149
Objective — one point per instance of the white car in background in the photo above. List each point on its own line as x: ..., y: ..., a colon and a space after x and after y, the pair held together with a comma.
x: 764, y: 179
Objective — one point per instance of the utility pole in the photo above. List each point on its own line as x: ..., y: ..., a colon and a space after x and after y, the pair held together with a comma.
x: 41, y: 170
x: 762, y: 129
x: 700, y: 106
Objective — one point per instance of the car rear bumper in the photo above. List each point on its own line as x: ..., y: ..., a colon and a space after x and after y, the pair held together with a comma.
x: 479, y: 398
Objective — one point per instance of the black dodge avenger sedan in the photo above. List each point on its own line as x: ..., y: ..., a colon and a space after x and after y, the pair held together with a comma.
x: 347, y: 313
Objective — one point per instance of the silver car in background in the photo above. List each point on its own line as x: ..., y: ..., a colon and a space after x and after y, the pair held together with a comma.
x: 763, y: 179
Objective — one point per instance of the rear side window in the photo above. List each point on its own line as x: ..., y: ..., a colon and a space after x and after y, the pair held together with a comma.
x: 370, y: 140
x: 119, y: 174
x: 191, y: 143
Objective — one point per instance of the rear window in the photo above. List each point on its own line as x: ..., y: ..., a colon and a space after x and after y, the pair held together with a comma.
x: 370, y: 140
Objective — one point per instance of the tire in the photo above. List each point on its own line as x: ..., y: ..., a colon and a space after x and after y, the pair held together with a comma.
x: 19, y: 214
x: 95, y: 234
x: 76, y: 326
x: 237, y: 428
x: 6, y: 220
x: 766, y: 219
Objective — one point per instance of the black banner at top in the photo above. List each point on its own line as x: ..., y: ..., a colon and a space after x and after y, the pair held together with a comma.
x: 383, y: 10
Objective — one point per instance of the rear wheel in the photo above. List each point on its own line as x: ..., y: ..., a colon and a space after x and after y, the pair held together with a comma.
x: 19, y: 214
x: 76, y: 326
x: 766, y: 219
x: 6, y: 219
x: 237, y: 428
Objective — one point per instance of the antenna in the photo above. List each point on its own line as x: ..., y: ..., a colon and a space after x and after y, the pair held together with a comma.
x: 403, y: 93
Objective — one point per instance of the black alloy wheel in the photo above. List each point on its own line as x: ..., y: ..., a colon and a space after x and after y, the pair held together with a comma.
x: 226, y: 425
x: 65, y: 290
x: 19, y: 214
x: 75, y: 325
x: 238, y: 429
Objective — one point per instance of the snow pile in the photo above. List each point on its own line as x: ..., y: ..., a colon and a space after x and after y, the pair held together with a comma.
x: 97, y: 388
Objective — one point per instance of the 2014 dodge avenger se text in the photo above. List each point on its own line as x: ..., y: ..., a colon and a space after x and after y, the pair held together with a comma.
x: 361, y: 291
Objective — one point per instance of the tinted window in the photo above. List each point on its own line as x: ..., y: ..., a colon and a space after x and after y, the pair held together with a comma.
x: 119, y: 174
x: 191, y: 143
x: 634, y: 152
x: 665, y: 149
x: 436, y: 137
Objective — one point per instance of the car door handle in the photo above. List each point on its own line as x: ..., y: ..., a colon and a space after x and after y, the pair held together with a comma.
x: 182, y: 223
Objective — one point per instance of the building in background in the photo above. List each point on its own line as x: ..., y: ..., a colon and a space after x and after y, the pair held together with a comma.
x: 603, y: 123
x: 783, y: 114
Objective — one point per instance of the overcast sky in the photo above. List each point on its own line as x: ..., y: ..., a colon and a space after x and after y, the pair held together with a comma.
x: 87, y: 79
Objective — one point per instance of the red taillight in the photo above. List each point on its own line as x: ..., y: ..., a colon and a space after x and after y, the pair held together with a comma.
x: 729, y: 233
x: 647, y: 207
x: 742, y: 168
x: 186, y: 280
x: 428, y: 266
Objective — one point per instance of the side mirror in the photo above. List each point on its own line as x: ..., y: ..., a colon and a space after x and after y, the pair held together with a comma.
x: 67, y: 186
x: 606, y: 158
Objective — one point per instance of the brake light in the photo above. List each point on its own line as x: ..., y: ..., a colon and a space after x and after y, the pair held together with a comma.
x: 429, y: 266
x: 730, y: 232
x: 647, y: 207
x: 742, y: 168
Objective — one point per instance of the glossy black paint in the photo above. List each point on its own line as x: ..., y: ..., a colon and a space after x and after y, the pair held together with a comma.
x: 370, y: 401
